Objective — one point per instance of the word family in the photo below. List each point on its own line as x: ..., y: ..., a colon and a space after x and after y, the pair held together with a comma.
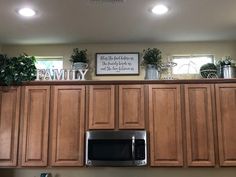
x: 63, y: 74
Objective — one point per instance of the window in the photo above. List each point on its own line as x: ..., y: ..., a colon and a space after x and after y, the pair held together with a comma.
x: 52, y: 62
x: 190, y: 64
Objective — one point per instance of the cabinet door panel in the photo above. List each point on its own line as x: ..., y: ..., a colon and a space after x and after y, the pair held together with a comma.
x: 68, y: 113
x: 226, y: 123
x: 199, y: 125
x: 102, y: 107
x: 35, y: 125
x: 131, y: 107
x: 165, y: 125
x: 9, y: 125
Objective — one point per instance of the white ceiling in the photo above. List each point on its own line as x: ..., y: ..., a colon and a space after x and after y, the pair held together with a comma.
x: 86, y: 21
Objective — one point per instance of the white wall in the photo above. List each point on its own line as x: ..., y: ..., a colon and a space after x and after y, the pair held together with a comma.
x: 219, y: 49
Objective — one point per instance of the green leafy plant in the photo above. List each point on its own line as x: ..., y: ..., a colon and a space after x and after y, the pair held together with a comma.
x: 152, y: 56
x: 79, y: 56
x: 3, y: 64
x: 15, y: 70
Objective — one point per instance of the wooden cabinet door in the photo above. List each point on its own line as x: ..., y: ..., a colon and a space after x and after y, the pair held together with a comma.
x: 226, y: 123
x: 68, y: 114
x: 165, y: 125
x: 101, y: 107
x: 35, y: 125
x: 131, y: 107
x: 9, y: 125
x: 199, y: 124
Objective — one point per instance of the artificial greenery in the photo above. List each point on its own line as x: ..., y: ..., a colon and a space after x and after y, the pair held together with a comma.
x: 79, y: 56
x: 152, y: 56
x: 15, y: 70
x: 226, y: 61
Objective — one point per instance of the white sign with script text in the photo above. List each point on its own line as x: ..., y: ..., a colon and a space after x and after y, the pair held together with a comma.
x: 117, y: 64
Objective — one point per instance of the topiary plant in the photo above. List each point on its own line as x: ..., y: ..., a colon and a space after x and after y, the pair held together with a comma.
x: 79, y: 56
x: 152, y: 56
x: 15, y: 70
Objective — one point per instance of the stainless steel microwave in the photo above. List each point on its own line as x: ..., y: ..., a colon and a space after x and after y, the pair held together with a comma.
x: 116, y: 148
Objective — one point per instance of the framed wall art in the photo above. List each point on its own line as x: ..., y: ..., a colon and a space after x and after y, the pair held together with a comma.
x: 117, y: 64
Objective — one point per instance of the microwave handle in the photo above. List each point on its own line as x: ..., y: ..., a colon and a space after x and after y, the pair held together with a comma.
x: 133, y: 148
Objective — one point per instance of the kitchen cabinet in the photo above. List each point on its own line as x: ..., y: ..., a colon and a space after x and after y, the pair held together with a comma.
x: 165, y: 125
x: 226, y: 123
x: 191, y: 124
x: 131, y: 107
x: 109, y: 110
x: 9, y: 125
x: 199, y: 124
x: 67, y: 125
x: 35, y: 125
x: 101, y: 109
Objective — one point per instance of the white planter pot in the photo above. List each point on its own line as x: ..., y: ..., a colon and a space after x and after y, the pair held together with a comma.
x: 80, y: 65
x: 152, y: 72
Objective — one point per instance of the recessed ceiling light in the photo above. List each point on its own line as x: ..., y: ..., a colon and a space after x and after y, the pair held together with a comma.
x: 26, y: 12
x: 160, y: 9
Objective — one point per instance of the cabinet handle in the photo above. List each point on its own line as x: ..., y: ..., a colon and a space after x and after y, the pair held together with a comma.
x: 133, y: 148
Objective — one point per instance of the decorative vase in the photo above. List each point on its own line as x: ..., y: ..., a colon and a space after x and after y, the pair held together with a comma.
x: 152, y: 72
x: 80, y: 65
x: 229, y: 71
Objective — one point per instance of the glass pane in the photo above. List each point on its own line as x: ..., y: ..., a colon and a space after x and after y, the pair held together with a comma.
x: 110, y: 150
x: 190, y: 65
x: 49, y: 64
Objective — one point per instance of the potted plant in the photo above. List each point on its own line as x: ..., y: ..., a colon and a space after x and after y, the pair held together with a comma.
x: 15, y: 70
x: 226, y: 68
x: 152, y: 60
x: 79, y: 58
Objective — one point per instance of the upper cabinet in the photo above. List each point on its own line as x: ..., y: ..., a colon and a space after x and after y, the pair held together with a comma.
x: 199, y: 124
x: 165, y: 125
x: 9, y: 125
x: 226, y: 123
x: 131, y: 107
x: 190, y: 124
x: 101, y: 109
x: 116, y: 107
x: 35, y: 125
x: 67, y: 125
